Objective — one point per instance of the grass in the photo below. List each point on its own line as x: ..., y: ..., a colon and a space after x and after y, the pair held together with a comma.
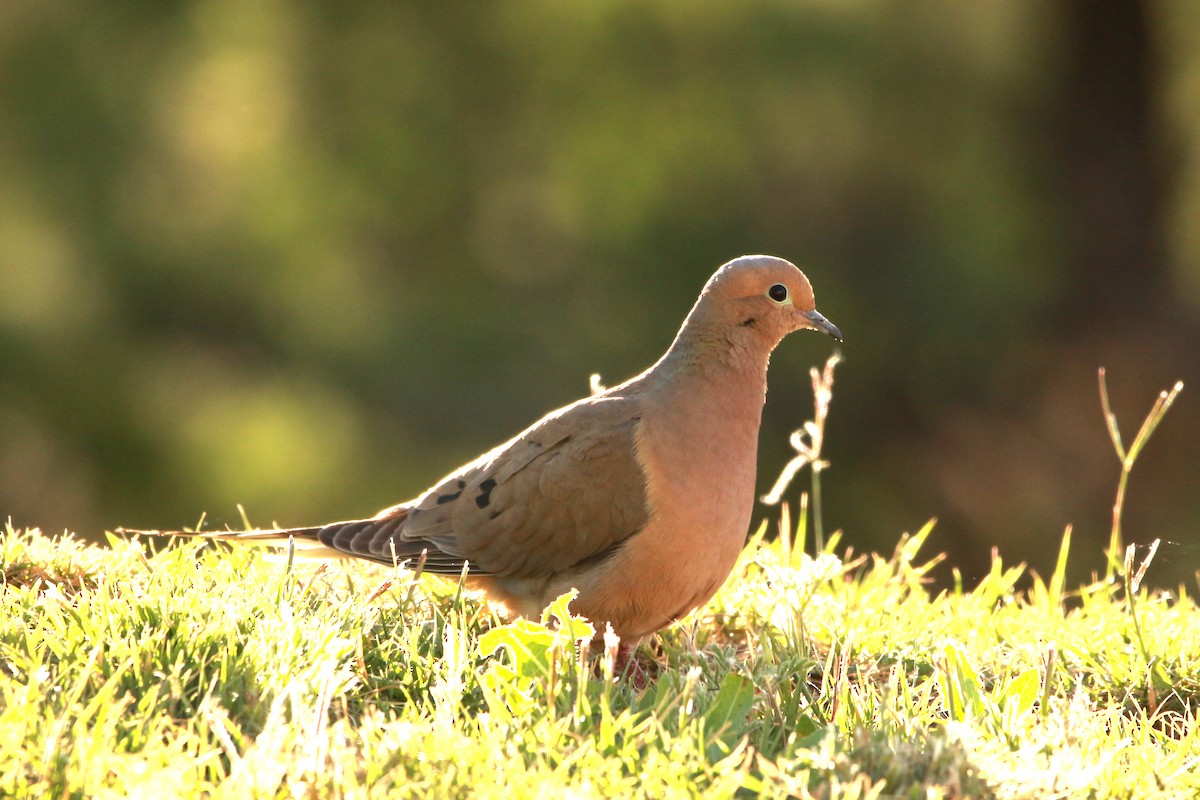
x: 201, y: 670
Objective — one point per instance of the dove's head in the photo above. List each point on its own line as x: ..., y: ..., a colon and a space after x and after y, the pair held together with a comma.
x: 766, y: 297
x: 746, y: 308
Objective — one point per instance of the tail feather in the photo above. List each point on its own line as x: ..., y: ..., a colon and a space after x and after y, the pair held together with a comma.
x: 378, y: 539
x: 303, y: 540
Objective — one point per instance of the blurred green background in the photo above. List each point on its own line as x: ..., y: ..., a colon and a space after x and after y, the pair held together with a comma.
x: 308, y: 257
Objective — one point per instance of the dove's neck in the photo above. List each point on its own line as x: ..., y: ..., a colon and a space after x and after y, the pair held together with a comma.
x: 717, y: 352
x: 721, y: 375
x: 707, y: 393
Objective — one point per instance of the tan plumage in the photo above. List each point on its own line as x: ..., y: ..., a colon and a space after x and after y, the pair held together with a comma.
x: 640, y: 496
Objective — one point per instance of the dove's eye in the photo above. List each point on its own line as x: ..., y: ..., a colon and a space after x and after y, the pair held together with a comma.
x: 778, y: 293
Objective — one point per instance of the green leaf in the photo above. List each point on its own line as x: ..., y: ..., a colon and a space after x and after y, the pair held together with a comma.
x: 1059, y: 578
x: 577, y: 628
x: 962, y: 695
x: 527, y: 642
x: 1022, y: 691
x: 725, y: 719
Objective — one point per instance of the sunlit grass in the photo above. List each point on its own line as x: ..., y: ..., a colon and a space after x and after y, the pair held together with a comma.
x: 208, y: 670
x: 202, y: 670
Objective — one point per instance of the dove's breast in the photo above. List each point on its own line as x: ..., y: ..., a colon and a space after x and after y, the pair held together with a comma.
x: 700, y: 474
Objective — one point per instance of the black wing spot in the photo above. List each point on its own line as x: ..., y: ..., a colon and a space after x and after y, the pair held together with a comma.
x: 485, y: 493
x: 448, y: 498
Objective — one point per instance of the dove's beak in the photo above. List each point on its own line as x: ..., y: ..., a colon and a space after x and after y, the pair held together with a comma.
x: 818, y: 323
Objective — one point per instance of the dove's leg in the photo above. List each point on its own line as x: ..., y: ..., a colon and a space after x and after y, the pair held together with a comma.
x: 626, y: 666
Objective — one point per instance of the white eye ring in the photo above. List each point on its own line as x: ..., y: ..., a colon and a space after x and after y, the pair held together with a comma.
x: 778, y: 293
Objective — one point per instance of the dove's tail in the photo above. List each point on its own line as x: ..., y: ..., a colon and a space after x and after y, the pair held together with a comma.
x: 303, y: 542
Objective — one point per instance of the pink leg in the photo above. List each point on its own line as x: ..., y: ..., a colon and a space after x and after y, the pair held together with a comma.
x: 626, y: 667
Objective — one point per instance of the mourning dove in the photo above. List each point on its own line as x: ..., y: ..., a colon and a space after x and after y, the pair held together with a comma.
x: 639, y: 496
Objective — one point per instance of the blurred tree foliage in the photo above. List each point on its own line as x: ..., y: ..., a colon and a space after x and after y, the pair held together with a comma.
x: 309, y: 256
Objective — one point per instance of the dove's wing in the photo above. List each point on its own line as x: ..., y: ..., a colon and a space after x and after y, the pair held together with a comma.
x: 568, y: 489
